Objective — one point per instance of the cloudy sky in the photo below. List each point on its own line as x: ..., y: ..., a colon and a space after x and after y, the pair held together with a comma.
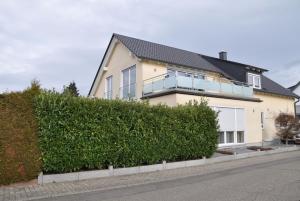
x: 58, y: 41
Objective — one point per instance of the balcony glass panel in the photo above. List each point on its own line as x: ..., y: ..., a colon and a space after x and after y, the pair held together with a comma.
x: 199, y: 84
x: 148, y: 88
x: 170, y: 82
x: 238, y: 90
x: 248, y: 91
x: 187, y: 81
x: 158, y: 85
x: 184, y: 82
x: 227, y: 88
x: 212, y: 86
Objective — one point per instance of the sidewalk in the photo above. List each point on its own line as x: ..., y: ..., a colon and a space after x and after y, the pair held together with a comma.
x: 33, y: 192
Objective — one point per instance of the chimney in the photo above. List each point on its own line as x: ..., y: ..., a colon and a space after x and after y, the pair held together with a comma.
x: 223, y: 55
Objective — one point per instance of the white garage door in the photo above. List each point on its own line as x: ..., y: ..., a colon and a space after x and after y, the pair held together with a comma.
x: 232, y: 125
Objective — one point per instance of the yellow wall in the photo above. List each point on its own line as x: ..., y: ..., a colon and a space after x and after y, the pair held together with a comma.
x: 169, y: 100
x: 271, y: 106
x: 120, y: 60
x: 253, y: 133
x: 152, y: 69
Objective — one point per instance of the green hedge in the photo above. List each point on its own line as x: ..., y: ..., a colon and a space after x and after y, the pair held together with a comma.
x: 81, y: 133
x: 19, y: 153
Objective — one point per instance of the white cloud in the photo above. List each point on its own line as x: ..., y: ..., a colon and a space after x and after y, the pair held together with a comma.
x: 288, y: 75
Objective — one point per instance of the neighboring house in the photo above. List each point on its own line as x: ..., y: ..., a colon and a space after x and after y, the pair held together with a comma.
x: 296, y: 90
x: 247, y: 100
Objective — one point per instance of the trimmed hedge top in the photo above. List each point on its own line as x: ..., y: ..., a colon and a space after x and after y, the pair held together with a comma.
x: 81, y: 133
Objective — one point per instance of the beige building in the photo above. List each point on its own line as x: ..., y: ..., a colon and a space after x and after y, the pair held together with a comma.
x: 296, y: 90
x: 246, y: 99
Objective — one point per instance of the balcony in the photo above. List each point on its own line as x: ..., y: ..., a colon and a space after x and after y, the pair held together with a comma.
x: 196, y: 83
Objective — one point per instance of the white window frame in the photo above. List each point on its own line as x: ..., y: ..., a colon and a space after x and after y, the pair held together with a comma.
x: 108, y: 94
x: 225, y: 144
x: 224, y: 137
x: 237, y: 137
x: 253, y: 80
x: 129, y: 80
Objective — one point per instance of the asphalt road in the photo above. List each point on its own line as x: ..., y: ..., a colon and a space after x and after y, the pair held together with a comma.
x: 275, y: 180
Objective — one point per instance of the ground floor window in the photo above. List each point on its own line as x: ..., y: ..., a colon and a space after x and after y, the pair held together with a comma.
x: 240, y: 137
x: 221, y: 139
x: 232, y: 125
x: 229, y: 136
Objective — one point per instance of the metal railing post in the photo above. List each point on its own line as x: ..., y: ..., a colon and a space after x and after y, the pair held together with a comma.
x: 152, y: 86
x: 193, y: 88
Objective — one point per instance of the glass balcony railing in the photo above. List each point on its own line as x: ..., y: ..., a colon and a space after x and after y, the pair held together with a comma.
x: 192, y: 82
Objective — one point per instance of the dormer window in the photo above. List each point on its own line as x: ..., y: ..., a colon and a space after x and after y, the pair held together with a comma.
x: 254, y: 80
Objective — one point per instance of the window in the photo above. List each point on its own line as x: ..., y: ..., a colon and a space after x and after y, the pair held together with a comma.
x: 199, y: 76
x: 184, y: 74
x: 128, y: 82
x: 229, y: 137
x: 254, y: 80
x: 231, y: 125
x: 221, y: 138
x: 108, y: 90
x: 171, y: 72
x: 240, y: 137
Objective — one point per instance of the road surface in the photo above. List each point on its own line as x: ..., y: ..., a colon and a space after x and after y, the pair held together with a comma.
x: 272, y: 180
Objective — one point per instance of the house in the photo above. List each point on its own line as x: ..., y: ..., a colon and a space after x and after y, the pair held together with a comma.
x: 246, y: 99
x: 296, y: 90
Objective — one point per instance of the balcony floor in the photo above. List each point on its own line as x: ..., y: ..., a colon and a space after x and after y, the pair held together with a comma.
x: 198, y: 93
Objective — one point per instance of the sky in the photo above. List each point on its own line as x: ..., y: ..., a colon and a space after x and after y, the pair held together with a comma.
x: 59, y: 41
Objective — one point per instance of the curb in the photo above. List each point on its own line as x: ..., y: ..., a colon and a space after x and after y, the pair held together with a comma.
x: 94, y: 174
x: 120, y: 186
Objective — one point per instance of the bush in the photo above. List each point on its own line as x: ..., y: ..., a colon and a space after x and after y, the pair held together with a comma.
x: 287, y: 126
x: 19, y: 153
x: 81, y: 133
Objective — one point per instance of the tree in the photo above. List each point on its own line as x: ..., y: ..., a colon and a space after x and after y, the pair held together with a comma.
x: 287, y: 126
x: 71, y: 89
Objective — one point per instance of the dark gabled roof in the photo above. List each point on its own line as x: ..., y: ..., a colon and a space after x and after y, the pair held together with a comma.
x: 236, y: 70
x: 239, y: 73
x: 153, y: 51
x: 270, y: 86
x: 292, y: 88
x: 230, y: 69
